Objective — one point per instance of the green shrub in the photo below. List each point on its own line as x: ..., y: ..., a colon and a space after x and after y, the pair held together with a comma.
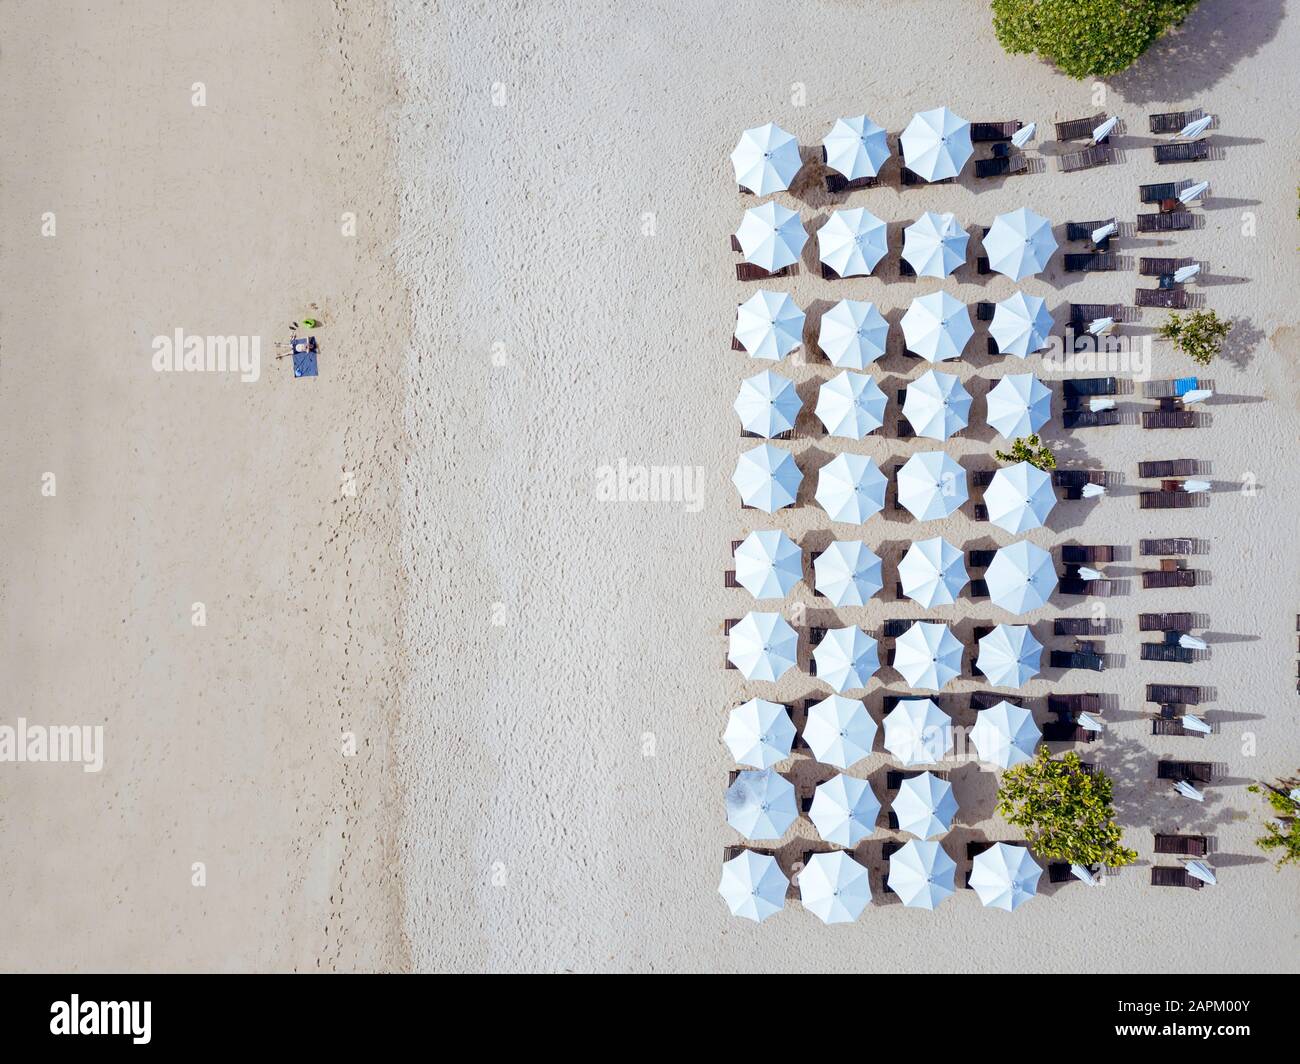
x: 1281, y: 838
x: 1086, y: 38
x: 1028, y: 449
x: 1199, y: 335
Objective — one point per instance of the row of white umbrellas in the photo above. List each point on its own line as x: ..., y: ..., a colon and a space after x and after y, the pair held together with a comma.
x: 851, y: 405
x: 853, y: 333
x: 853, y: 241
x: 931, y: 485
x: 764, y: 646
x: 936, y: 144
x: 841, y: 732
x: 837, y: 889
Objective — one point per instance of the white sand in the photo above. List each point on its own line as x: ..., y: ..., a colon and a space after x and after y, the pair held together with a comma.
x: 508, y: 648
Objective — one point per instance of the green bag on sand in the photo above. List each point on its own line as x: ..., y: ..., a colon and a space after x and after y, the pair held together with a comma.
x: 311, y: 323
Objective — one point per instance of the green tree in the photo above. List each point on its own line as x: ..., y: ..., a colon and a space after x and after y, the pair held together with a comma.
x: 1199, y: 335
x: 1281, y: 838
x: 1066, y: 812
x: 1028, y: 449
x: 1086, y: 38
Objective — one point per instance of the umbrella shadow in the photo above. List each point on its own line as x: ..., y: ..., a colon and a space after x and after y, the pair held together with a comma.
x: 1195, y: 57
x: 1241, y: 343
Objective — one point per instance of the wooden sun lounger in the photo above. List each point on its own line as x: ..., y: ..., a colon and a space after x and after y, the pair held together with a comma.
x: 1079, y: 554
x: 1173, y: 121
x: 1192, y: 152
x: 1086, y: 387
x: 1079, y: 128
x: 1162, y: 267
x: 1076, y: 659
x: 1073, y: 585
x: 1167, y: 652
x: 1174, y: 221
x: 1059, y: 731
x: 1072, y: 705
x: 1158, y: 193
x: 1084, y: 313
x: 1168, y: 500
x: 894, y: 777
x: 911, y: 177
x: 1168, y: 545
x: 1183, y: 845
x: 984, y: 310
x: 1090, y: 263
x: 1191, y: 771
x: 1172, y: 467
x: 979, y: 559
x: 1166, y: 622
x: 1163, y: 298
x: 1163, y: 876
x: 987, y: 132
x: 837, y: 183
x: 1169, y: 419
x: 747, y: 271
x: 1165, y: 578
x: 1182, y: 693
x: 1089, y: 419
x: 987, y: 699
x: 1084, y: 230
x: 1017, y: 164
x: 1077, y: 478
x: 1098, y: 155
x: 1084, y: 626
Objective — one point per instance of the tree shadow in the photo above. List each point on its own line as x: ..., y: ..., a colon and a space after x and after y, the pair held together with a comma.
x: 1202, y: 52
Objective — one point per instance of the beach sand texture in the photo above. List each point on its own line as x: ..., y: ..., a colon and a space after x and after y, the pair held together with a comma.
x: 541, y: 285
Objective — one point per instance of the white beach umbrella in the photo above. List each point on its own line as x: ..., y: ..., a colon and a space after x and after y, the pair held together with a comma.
x: 763, y: 646
x: 1089, y: 723
x: 1005, y: 734
x: 759, y: 733
x: 853, y: 334
x: 928, y: 655
x: 852, y: 242
x: 925, y: 806
x: 1201, y: 871
x: 834, y: 887
x: 767, y: 478
x: 1196, y: 724
x: 1021, y: 325
x: 771, y: 236
x: 1196, y: 395
x: 1086, y: 573
x: 767, y: 404
x: 769, y: 325
x: 768, y: 564
x: 844, y: 810
x: 1194, y: 129
x: 931, y: 485
x: 1104, y: 232
x: 856, y: 147
x: 851, y: 405
x: 1019, y: 405
x: 1185, y: 273
x: 935, y: 244
x: 937, y: 327
x: 1196, y: 487
x: 1097, y: 327
x: 850, y: 488
x: 1021, y: 577
x: 839, y: 731
x: 1019, y: 243
x: 1104, y: 130
x: 1194, y: 192
x: 1188, y: 791
x: 1020, y: 497
x: 846, y: 658
x: 937, y: 405
x: 1004, y: 876
x: 936, y: 144
x: 1009, y: 655
x: 917, y: 732
x: 766, y: 158
x: 847, y: 572
x: 1024, y: 134
x: 933, y: 572
x: 1192, y: 643
x: 921, y: 874
x: 761, y: 804
x: 753, y: 885
x: 1084, y: 875
x: 1092, y: 491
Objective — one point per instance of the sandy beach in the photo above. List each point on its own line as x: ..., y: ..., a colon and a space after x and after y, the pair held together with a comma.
x: 452, y: 708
